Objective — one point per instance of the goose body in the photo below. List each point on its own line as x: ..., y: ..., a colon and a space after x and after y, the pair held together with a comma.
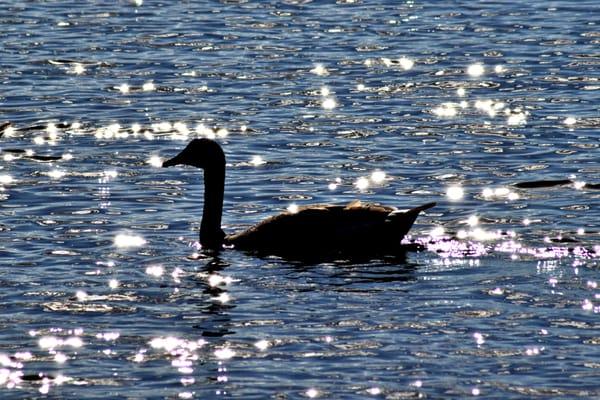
x: 317, y: 229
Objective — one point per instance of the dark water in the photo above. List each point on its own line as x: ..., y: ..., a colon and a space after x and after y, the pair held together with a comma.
x: 105, y: 294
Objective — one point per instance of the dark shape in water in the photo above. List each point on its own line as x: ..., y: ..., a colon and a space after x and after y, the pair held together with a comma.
x: 314, y: 231
x: 543, y: 183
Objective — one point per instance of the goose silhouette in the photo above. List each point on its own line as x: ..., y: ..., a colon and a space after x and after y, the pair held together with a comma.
x: 315, y: 230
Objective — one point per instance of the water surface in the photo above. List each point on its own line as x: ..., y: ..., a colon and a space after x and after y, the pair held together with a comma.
x: 105, y: 292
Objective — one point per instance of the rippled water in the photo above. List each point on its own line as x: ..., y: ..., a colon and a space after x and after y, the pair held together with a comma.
x: 105, y: 293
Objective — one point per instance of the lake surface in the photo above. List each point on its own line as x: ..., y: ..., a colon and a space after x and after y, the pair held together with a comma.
x: 105, y: 292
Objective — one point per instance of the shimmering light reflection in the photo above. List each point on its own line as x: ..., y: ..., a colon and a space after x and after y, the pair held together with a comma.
x: 257, y: 161
x: 124, y: 240
x: 320, y: 70
x: 155, y: 270
x: 262, y: 345
x: 455, y: 193
x: 224, y: 353
x: 155, y: 161
x: 378, y: 177
x: 362, y: 183
x: 312, y: 393
x: 446, y: 110
x: 148, y: 87
x: 329, y: 103
x: 570, y: 121
x: 293, y: 208
x: 6, y: 179
x: 476, y: 70
x: 123, y: 88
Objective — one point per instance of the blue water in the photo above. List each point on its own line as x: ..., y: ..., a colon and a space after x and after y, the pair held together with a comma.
x: 105, y: 293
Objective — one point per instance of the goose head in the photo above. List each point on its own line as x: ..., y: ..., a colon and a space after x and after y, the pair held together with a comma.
x: 199, y: 153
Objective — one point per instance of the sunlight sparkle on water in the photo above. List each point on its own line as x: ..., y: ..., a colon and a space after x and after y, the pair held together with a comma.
x: 123, y: 88
x: 320, y: 70
x: 77, y: 69
x: 446, y: 110
x: 6, y: 179
x: 312, y: 393
x: 406, y: 63
x: 262, y: 345
x: 257, y: 161
x: 362, y: 183
x: 56, y: 174
x: 148, y: 87
x: 476, y: 70
x: 378, y: 176
x: 455, y: 193
x: 329, y: 103
x: 293, y: 208
x: 570, y: 121
x: 124, y: 240
x: 224, y: 354
x: 155, y: 270
x: 155, y: 161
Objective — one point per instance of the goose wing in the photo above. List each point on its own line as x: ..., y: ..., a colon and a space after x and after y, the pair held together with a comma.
x: 328, y: 228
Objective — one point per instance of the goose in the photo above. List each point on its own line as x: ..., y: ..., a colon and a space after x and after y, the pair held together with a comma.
x: 315, y: 229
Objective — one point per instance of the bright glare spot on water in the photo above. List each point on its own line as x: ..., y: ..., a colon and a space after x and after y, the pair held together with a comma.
x: 332, y: 186
x: 223, y: 298
x: 325, y: 91
x: 360, y: 87
x: 374, y: 391
x: 81, y: 295
x: 320, y: 70
x: 222, y: 132
x: 361, y: 183
x: 517, y: 119
x: 512, y: 196
x: 476, y: 70
x: 579, y: 185
x: 113, y: 284
x: 406, y: 63
x: 6, y: 179
x: 499, y: 69
x: 205, y: 131
x: 417, y: 384
x: 293, y: 208
x: 262, y: 345
x: 455, y: 193
x: 60, y: 358
x: 437, y: 231
x: 461, y: 92
x: 475, y: 392
x: 124, y: 240
x: 570, y: 121
x: 123, y: 88
x: 329, y: 103
x: 155, y: 270
x: 56, y: 174
x: 48, y: 342
x: 312, y: 393
x: 77, y: 69
x: 478, y: 338
x: 446, y: 110
x: 473, y: 220
x: 67, y: 156
x: 155, y: 161
x: 148, y: 86
x: 378, y: 176
x: 224, y: 353
x: 257, y: 161
x: 8, y: 132
x: 137, y: 3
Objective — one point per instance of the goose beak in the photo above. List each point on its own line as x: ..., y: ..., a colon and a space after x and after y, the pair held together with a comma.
x: 173, y: 161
